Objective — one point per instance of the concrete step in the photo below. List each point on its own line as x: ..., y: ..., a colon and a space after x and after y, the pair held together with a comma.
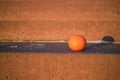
x: 60, y: 10
x: 58, y: 30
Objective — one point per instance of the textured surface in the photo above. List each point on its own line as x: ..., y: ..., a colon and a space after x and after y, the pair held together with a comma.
x: 58, y: 19
x: 55, y: 61
x: 60, y: 10
x: 47, y: 66
x: 58, y: 30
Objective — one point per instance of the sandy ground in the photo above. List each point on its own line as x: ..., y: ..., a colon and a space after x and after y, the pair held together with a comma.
x: 34, y: 66
x: 58, y: 20
x: 58, y: 30
x: 55, y: 61
x: 32, y: 20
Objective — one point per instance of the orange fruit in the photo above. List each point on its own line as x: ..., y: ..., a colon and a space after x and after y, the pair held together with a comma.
x: 77, y: 43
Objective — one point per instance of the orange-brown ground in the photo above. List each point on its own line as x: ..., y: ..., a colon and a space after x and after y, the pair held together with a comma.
x: 57, y: 20
x: 58, y: 30
x: 47, y: 66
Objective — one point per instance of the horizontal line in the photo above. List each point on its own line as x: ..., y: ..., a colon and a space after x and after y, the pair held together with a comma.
x: 94, y: 20
x: 61, y: 41
x: 101, y: 41
x: 31, y: 41
x: 60, y: 1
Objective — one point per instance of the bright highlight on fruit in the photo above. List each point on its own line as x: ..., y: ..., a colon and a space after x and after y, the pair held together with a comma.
x: 77, y: 43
